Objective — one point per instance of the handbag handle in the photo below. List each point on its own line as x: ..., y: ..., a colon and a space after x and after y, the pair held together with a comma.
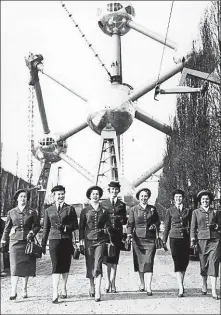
x: 157, y: 232
x: 74, y: 238
x: 110, y: 240
x: 35, y: 238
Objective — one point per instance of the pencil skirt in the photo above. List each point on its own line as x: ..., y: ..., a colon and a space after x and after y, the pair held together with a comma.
x: 117, y: 241
x: 209, y: 255
x: 21, y: 265
x: 144, y: 251
x: 94, y: 256
x: 61, y: 251
x: 180, y: 250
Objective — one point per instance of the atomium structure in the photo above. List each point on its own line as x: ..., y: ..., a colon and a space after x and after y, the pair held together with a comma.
x: 119, y: 105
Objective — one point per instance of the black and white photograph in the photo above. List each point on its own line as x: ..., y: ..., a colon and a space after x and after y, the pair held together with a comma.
x: 110, y: 157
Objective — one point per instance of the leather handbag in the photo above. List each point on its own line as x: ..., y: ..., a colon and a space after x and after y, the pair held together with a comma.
x: 159, y: 242
x: 125, y: 245
x: 111, y: 252
x: 33, y: 249
x: 76, y: 252
x: 3, y: 248
x: 196, y: 250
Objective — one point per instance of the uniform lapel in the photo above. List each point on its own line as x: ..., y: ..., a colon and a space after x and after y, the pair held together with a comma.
x: 109, y: 203
x: 63, y: 207
x: 185, y: 211
x: 176, y: 210
x: 54, y: 209
x: 142, y: 209
x: 117, y: 202
x: 24, y: 210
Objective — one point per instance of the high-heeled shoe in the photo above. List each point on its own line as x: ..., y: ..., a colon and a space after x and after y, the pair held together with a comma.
x: 55, y: 301
x: 113, y: 290
x: 141, y: 289
x: 91, y: 294
x: 13, y: 297
x: 97, y: 297
x: 180, y: 294
x: 109, y: 289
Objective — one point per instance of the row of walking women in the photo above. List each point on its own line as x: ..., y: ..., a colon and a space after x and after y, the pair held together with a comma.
x: 101, y: 222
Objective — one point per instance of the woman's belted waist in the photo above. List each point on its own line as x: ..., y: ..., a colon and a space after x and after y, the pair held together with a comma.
x: 185, y: 229
x: 21, y: 228
x: 53, y: 227
x: 56, y: 227
x: 179, y: 226
x: 179, y: 231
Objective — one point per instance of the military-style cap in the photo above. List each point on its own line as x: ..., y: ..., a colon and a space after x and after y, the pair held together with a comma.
x: 114, y: 184
x: 88, y: 193
x: 58, y: 188
x: 178, y: 192
x: 143, y: 189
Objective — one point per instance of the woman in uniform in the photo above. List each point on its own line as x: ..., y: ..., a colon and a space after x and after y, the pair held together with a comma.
x: 205, y: 233
x: 118, y: 215
x: 22, y: 225
x: 60, y: 221
x: 177, y: 227
x: 142, y: 224
x: 93, y: 226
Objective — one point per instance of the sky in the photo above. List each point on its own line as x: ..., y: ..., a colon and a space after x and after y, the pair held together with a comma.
x: 43, y: 27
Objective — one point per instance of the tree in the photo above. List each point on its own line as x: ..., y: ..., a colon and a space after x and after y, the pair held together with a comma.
x: 192, y: 159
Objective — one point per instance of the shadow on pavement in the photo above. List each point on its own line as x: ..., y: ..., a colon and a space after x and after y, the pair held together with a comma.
x: 120, y: 295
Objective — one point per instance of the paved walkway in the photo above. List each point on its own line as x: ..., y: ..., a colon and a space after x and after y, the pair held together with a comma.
x: 127, y: 301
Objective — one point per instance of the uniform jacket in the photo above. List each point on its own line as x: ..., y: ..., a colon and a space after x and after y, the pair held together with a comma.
x: 205, y: 225
x: 93, y: 224
x: 141, y: 219
x: 177, y: 223
x: 118, y: 215
x: 59, y: 225
x: 19, y: 224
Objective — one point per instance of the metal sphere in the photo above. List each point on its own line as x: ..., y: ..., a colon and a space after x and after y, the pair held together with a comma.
x: 112, y: 110
x: 48, y: 148
x: 114, y: 16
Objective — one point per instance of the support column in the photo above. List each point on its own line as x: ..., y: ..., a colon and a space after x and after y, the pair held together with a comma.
x: 116, y: 65
x: 109, y: 162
